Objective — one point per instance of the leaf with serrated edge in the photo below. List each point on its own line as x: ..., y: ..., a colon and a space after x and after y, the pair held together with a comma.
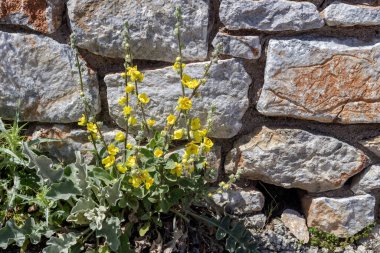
x: 63, y: 190
x: 111, y: 232
x: 43, y: 165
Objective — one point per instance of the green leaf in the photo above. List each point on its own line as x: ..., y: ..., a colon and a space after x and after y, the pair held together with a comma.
x: 63, y: 190
x: 170, y: 165
x: 79, y: 173
x: 43, y: 140
x: 77, y: 212
x: 125, y: 245
x: 43, y: 166
x: 10, y: 233
x: 112, y: 193
x: 61, y: 244
x: 224, y: 223
x: 239, y: 239
x: 163, y: 189
x: 128, y: 201
x: 111, y: 232
x: 103, y: 175
x: 2, y: 126
x: 14, y: 158
x: 146, y: 152
x: 144, y: 229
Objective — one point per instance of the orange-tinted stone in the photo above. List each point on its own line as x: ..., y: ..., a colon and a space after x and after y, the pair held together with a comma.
x: 325, y: 80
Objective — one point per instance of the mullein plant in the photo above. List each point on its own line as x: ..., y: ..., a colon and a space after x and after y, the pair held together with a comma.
x: 133, y: 182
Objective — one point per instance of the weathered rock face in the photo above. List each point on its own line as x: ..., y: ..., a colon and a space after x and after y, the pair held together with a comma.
x: 342, y: 14
x: 41, y: 15
x: 372, y: 144
x: 240, y: 201
x: 326, y: 80
x: 226, y: 90
x: 41, y: 73
x: 256, y: 221
x: 341, y: 216
x: 98, y: 26
x: 247, y: 47
x: 296, y: 224
x: 294, y: 158
x: 273, y: 15
x: 367, y: 181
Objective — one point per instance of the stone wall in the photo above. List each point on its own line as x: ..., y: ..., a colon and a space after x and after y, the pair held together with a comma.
x: 297, y: 94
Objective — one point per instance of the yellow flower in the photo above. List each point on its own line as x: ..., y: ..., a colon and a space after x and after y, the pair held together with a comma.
x: 123, y: 75
x: 151, y: 122
x: 185, y: 79
x: 91, y: 127
x: 193, y: 84
x: 132, y: 121
x: 135, y: 74
x: 108, y: 161
x: 144, y: 174
x: 129, y: 88
x: 82, y: 120
x: 119, y: 136
x: 190, y: 83
x: 178, y: 134
x: 129, y: 146
x: 209, y: 194
x: 177, y: 65
x: 158, y: 152
x: 195, y: 124
x: 203, y: 132
x: 208, y: 143
x: 131, y: 161
x: 184, y: 103
x: 127, y: 110
x: 192, y: 148
x: 197, y: 137
x: 149, y: 182
x: 122, y: 101
x: 120, y: 167
x: 171, y: 119
x: 177, y: 169
x: 112, y: 150
x: 143, y: 98
x: 135, y: 181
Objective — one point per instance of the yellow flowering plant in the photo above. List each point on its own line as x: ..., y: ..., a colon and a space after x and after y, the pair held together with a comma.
x: 135, y: 179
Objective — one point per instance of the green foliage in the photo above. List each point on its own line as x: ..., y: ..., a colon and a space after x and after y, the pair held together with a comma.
x: 129, y: 187
x: 330, y: 241
x: 238, y: 238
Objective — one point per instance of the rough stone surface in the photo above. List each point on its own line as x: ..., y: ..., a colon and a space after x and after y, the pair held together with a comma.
x: 372, y: 144
x: 322, y: 79
x: 342, y: 14
x: 272, y: 15
x: 41, y: 15
x: 70, y: 140
x: 294, y: 158
x: 367, y: 181
x: 296, y: 224
x: 247, y: 47
x: 98, y: 26
x: 41, y: 73
x: 226, y: 90
x: 242, y: 201
x: 256, y: 221
x: 340, y: 216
